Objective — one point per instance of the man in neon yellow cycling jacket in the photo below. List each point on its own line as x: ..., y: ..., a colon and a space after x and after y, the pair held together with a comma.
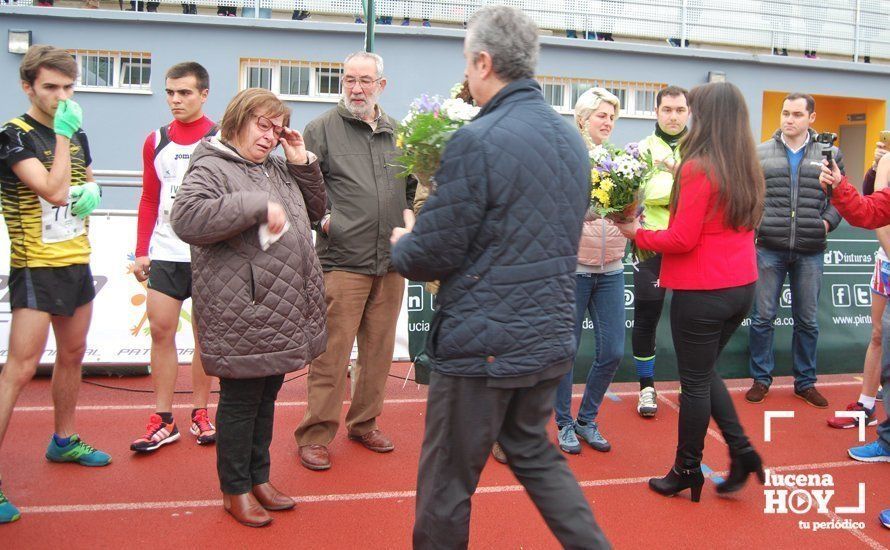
x: 672, y: 109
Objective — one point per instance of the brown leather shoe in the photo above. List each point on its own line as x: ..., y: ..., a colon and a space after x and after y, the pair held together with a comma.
x: 315, y: 457
x: 374, y: 440
x: 498, y: 453
x: 812, y: 396
x: 246, y: 510
x: 271, y: 498
x: 757, y: 393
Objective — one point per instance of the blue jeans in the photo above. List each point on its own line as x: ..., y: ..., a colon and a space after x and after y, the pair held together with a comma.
x: 884, y: 427
x: 602, y: 295
x: 805, y: 274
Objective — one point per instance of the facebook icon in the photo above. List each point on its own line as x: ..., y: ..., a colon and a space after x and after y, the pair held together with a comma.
x: 840, y: 295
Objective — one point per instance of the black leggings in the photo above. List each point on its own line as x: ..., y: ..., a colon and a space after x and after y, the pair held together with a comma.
x: 648, y: 303
x: 701, y: 324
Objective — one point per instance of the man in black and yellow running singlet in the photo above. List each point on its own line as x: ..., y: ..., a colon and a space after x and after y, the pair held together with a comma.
x: 47, y: 195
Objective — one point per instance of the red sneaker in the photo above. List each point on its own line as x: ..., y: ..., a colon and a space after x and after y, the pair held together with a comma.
x: 157, y: 434
x: 202, y: 428
x: 845, y: 422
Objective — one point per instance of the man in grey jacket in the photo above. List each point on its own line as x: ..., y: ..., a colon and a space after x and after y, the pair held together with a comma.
x: 791, y: 240
x: 355, y: 144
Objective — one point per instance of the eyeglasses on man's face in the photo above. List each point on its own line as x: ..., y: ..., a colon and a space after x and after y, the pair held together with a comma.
x: 366, y: 82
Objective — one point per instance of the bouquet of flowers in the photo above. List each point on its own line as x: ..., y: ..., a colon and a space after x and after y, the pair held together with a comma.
x: 429, y: 124
x: 616, y: 176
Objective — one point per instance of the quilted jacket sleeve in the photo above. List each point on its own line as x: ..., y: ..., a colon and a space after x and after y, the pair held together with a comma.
x: 205, y: 213
x: 452, y: 216
x: 316, y: 141
x: 308, y: 177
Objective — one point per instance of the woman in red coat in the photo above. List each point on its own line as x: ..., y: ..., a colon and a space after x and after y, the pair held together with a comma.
x: 710, y: 264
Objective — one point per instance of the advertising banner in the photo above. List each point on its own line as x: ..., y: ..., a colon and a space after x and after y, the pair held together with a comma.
x: 119, y: 332
x: 844, y: 319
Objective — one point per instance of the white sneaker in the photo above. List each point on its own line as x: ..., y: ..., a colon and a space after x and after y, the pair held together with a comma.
x: 647, y: 406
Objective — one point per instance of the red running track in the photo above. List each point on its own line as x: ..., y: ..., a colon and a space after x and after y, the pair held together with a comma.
x: 170, y: 499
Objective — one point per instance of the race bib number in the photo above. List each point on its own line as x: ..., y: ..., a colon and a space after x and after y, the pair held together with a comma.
x: 58, y: 223
x: 167, y: 203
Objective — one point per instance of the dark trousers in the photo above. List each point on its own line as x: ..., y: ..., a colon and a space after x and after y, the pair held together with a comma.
x: 701, y: 324
x: 244, y: 431
x: 648, y: 303
x: 464, y: 417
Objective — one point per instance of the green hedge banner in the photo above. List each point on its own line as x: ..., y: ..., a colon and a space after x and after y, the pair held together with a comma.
x: 844, y: 319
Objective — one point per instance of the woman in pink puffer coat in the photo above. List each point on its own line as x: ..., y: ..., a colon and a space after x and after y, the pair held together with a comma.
x: 599, y: 293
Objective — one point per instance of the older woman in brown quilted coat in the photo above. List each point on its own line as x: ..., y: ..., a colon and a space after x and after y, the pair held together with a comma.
x: 258, y: 301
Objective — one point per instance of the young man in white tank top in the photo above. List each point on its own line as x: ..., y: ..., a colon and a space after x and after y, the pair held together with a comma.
x: 164, y: 260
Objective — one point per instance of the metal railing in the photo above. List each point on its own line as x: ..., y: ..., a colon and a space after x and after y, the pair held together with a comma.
x: 849, y: 28
x: 125, y: 179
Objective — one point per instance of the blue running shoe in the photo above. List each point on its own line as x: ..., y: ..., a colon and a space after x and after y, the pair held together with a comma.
x: 8, y: 512
x: 873, y: 452
x: 76, y: 451
x: 568, y: 441
x: 590, y: 433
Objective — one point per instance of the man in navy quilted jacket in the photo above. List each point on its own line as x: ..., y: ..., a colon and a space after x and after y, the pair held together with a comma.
x: 501, y: 232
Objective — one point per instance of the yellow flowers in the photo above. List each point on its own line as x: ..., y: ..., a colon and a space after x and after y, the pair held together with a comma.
x: 601, y: 196
x: 601, y: 188
x: 400, y: 142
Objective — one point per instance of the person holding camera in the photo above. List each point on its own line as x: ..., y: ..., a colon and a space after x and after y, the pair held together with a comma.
x: 791, y: 240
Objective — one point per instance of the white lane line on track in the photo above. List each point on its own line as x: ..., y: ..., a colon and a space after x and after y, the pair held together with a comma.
x: 711, y: 432
x: 83, y: 408
x: 870, y: 542
x: 387, y: 495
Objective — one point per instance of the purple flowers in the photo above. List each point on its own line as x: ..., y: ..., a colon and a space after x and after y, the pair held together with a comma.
x: 427, y: 104
x: 633, y: 149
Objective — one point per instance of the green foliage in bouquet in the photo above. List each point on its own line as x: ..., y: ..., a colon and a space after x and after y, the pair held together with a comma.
x: 423, y: 133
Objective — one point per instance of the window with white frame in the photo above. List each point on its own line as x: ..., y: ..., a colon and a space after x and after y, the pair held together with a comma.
x: 293, y: 80
x: 637, y: 98
x: 113, y: 70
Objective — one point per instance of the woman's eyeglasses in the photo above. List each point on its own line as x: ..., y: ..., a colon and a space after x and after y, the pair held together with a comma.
x: 264, y: 124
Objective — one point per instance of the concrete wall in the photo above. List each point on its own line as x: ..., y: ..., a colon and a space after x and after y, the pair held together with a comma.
x: 418, y: 60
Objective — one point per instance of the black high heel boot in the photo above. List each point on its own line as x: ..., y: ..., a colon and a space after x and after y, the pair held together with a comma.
x: 748, y: 462
x: 678, y: 480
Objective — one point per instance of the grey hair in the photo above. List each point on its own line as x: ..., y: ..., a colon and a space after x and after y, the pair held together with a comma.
x: 590, y: 101
x: 378, y: 61
x: 509, y: 36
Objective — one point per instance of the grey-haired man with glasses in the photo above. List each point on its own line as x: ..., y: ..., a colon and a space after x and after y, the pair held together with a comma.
x: 356, y: 146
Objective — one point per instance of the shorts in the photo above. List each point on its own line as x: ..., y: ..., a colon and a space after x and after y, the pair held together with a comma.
x: 53, y: 290
x: 646, y: 280
x: 880, y: 279
x: 171, y: 278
